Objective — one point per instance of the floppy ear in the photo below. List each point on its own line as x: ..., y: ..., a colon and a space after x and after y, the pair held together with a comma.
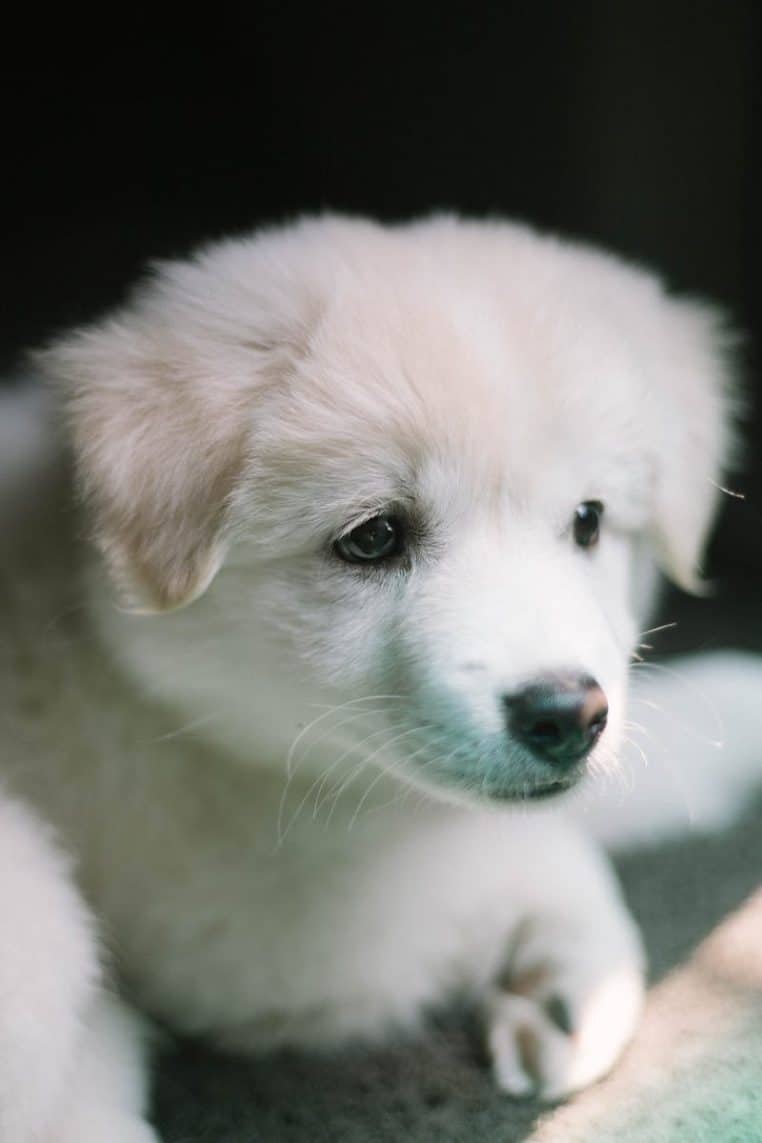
x: 159, y: 442
x: 691, y: 422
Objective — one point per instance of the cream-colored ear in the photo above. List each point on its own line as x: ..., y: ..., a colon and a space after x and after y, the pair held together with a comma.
x: 159, y: 447
x: 691, y: 423
x: 161, y: 400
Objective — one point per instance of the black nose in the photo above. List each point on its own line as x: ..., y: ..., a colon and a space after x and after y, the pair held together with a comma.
x: 558, y: 717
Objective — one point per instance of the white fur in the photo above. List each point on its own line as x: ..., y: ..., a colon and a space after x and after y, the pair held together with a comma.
x: 69, y: 1054
x: 278, y: 791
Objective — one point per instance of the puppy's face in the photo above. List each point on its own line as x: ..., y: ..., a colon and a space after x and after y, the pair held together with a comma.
x: 428, y: 472
x: 440, y: 519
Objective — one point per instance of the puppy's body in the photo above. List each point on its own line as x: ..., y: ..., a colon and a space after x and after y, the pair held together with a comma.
x: 290, y: 800
x: 242, y: 913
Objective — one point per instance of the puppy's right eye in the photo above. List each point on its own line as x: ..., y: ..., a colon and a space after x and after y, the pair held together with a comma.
x: 372, y: 541
x: 587, y: 523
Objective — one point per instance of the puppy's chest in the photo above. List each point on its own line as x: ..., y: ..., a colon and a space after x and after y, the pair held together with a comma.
x: 344, y: 929
x: 335, y: 933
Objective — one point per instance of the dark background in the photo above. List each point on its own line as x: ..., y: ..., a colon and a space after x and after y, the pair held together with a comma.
x: 631, y: 125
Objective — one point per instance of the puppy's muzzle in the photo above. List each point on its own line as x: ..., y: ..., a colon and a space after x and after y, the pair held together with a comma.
x: 558, y: 718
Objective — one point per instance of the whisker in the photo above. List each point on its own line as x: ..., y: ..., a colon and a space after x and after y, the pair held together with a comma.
x: 640, y: 729
x: 728, y: 491
x: 629, y: 741
x: 326, y: 714
x: 354, y: 773
x: 684, y: 727
x: 357, y: 716
x: 364, y: 764
x: 690, y: 687
x: 319, y: 781
x: 384, y: 772
x: 662, y: 627
x: 381, y: 774
x: 186, y: 728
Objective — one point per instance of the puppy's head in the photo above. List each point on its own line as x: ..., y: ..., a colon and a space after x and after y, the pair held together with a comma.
x: 429, y: 460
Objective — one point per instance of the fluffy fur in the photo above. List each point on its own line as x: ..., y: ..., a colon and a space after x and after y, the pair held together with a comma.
x: 287, y: 781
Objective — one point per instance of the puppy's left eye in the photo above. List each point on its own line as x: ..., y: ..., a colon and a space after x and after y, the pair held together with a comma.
x: 375, y: 540
x: 587, y: 523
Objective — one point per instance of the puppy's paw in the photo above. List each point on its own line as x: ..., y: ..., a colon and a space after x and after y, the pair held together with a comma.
x: 564, y: 1032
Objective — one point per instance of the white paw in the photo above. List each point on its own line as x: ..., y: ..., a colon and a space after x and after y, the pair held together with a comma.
x: 564, y: 1034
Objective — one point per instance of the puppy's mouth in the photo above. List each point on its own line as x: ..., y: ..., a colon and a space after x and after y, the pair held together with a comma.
x: 515, y: 777
x: 549, y: 790
x: 538, y: 793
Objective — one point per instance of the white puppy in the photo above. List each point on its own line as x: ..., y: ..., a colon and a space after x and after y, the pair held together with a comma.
x: 384, y: 506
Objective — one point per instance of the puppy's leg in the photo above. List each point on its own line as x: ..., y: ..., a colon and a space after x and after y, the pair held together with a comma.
x: 106, y: 1093
x: 571, y: 996
x: 50, y: 996
x: 48, y: 971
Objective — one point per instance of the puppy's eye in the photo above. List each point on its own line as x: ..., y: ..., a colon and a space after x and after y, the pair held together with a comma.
x: 587, y: 523
x: 374, y: 540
